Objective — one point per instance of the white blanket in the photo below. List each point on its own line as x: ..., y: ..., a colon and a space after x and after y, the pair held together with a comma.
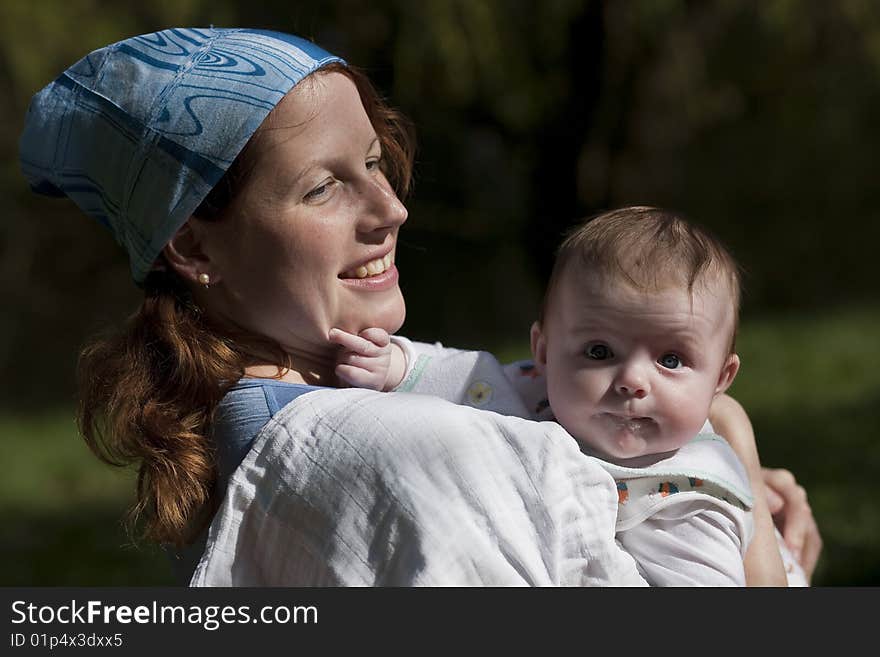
x: 360, y: 488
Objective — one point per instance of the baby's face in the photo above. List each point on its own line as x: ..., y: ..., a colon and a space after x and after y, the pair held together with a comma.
x: 631, y: 373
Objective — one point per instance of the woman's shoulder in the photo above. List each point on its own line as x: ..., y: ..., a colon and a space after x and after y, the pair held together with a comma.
x: 245, y: 409
x: 272, y: 394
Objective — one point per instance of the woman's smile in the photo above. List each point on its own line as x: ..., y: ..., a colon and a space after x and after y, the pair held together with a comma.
x: 372, y: 267
x: 382, y: 280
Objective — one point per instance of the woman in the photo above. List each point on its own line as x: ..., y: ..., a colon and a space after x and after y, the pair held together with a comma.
x: 254, y: 180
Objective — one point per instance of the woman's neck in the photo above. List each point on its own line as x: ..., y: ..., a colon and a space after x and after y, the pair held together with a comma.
x: 293, y: 375
x: 303, y: 368
x: 266, y: 359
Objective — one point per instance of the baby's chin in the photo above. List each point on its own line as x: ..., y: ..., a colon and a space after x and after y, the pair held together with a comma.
x: 638, y: 449
x: 628, y: 444
x: 615, y: 438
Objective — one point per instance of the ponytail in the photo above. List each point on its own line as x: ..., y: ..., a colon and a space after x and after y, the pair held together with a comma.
x: 147, y: 396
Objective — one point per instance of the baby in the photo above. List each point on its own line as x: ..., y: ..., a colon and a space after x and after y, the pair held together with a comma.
x: 636, y: 335
x: 635, y: 339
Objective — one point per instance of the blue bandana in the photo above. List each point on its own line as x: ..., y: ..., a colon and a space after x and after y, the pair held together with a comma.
x: 138, y: 133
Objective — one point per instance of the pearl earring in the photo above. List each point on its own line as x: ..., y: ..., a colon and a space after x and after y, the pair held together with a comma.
x: 205, y: 280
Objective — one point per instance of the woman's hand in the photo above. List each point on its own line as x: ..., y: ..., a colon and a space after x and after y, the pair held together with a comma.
x: 793, y: 517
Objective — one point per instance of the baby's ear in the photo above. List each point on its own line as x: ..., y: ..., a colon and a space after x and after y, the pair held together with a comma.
x: 728, y: 373
x: 539, y: 347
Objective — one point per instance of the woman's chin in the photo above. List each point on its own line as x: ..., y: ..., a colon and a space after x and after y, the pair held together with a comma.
x: 389, y: 317
x: 397, y: 322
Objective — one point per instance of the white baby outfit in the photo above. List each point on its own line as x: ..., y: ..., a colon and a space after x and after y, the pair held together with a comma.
x: 685, y: 519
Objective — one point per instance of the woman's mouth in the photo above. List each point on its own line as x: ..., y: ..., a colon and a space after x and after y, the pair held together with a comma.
x: 376, y: 275
x: 371, y: 268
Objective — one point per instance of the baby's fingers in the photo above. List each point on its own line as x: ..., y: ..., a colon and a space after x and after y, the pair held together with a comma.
x: 355, y: 343
x: 377, y: 336
x: 357, y: 377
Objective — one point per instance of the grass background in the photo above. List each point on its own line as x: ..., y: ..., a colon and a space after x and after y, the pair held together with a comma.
x: 810, y: 383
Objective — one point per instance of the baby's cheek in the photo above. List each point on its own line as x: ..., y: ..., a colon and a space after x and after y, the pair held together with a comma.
x: 573, y: 405
x: 576, y: 423
x: 688, y: 413
x: 564, y: 393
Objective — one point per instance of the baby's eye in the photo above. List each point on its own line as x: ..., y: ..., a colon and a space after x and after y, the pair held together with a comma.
x: 670, y: 361
x: 598, y: 352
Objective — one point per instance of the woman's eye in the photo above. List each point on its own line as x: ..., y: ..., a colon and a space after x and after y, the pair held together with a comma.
x: 374, y: 164
x: 598, y: 352
x: 318, y: 192
x: 670, y: 361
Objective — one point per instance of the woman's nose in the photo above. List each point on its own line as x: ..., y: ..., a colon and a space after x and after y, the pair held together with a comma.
x: 632, y: 381
x: 384, y: 210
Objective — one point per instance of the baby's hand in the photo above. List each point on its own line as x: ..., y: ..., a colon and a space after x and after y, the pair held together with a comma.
x: 369, y: 359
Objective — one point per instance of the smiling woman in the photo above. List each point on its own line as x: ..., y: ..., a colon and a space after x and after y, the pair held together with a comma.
x: 317, y: 193
x: 255, y: 181
x: 244, y: 265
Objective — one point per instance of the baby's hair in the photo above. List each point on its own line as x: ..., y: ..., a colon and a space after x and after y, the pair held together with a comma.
x: 650, y: 249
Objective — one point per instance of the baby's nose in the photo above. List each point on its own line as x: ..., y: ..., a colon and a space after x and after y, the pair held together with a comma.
x: 632, y: 382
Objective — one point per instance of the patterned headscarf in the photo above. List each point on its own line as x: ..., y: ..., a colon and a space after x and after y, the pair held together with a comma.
x: 137, y: 133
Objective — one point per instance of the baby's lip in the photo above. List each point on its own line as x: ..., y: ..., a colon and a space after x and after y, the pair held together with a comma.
x: 632, y: 421
x: 628, y: 416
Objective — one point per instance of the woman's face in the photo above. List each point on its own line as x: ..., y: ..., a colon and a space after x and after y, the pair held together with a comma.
x: 309, y: 243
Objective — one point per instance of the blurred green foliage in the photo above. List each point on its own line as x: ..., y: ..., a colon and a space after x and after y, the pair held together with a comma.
x: 62, y: 511
x: 757, y: 118
x: 811, y: 386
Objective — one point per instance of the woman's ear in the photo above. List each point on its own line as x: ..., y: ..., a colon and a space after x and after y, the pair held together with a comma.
x: 186, y: 255
x: 539, y: 347
x: 728, y: 373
